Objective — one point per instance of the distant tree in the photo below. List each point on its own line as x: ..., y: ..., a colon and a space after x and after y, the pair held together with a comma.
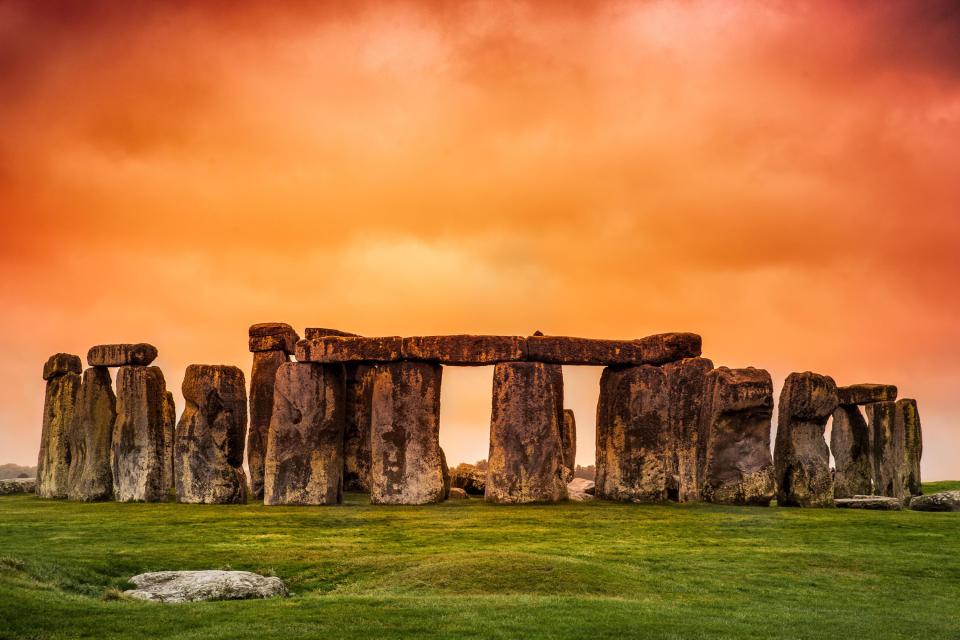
x: 22, y: 475
x: 481, y: 465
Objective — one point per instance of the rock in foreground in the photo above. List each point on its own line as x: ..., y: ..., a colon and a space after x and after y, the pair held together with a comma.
x: 193, y: 586
x: 580, y: 490
x: 17, y: 485
x: 874, y: 503
x: 944, y: 501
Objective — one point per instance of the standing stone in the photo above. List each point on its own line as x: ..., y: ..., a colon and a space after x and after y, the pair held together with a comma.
x: 526, y: 441
x: 687, y: 383
x: 304, y: 462
x: 446, y: 474
x: 568, y: 437
x: 887, y: 449
x: 208, y: 450
x: 262, y: 376
x: 634, y: 439
x: 169, y: 437
x: 91, y: 434
x: 852, y: 453
x: 801, y: 455
x: 737, y: 467
x: 62, y: 373
x: 137, y: 447
x: 907, y: 421
x: 356, y: 440
x: 405, y: 434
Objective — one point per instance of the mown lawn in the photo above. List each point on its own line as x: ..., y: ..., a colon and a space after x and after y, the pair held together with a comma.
x: 472, y: 570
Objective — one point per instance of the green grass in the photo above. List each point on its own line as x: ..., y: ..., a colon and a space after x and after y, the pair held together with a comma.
x: 941, y: 485
x: 470, y: 570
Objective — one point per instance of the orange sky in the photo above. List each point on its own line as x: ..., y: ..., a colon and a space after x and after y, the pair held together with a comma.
x: 782, y: 179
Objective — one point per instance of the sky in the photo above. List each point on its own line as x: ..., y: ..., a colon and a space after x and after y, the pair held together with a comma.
x: 782, y: 178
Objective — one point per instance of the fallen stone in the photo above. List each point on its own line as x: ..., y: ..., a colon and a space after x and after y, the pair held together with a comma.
x: 469, y: 478
x: 356, y: 439
x: 568, y: 440
x: 852, y: 453
x: 656, y: 349
x: 91, y: 433
x: 121, y: 355
x: 581, y: 490
x: 10, y: 486
x: 943, y: 501
x: 60, y: 401
x: 60, y: 363
x: 464, y: 350
x: 801, y: 455
x: 169, y: 438
x: 907, y: 422
x: 526, y: 448
x: 405, y: 464
x: 209, y: 443
x: 866, y: 393
x: 262, y: 376
x: 686, y: 380
x: 350, y: 349
x: 273, y: 336
x: 193, y: 586
x: 137, y: 447
x: 888, y: 446
x: 457, y: 493
x: 634, y: 440
x: 304, y: 463
x: 311, y: 333
x: 875, y: 503
x: 737, y: 410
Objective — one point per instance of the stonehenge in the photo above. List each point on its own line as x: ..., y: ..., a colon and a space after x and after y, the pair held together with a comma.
x: 358, y: 413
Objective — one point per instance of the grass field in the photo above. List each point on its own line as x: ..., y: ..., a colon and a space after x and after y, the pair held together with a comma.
x: 470, y: 570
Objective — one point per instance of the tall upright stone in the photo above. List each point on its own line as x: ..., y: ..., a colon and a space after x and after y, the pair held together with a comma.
x: 169, y: 437
x: 137, y: 447
x: 208, y: 449
x: 569, y: 439
x: 405, y: 464
x: 634, y: 439
x: 850, y: 444
x: 801, y: 455
x: 887, y: 448
x: 91, y: 477
x: 356, y: 439
x: 62, y: 373
x: 736, y: 465
x: 304, y: 461
x: 686, y: 380
x: 526, y: 461
x: 907, y: 420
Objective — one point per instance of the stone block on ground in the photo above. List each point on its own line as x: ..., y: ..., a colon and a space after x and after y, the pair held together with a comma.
x: 457, y: 493
x: 874, y: 503
x: 943, y: 501
x: 581, y: 490
x: 121, y: 355
x: 9, y: 486
x: 195, y: 586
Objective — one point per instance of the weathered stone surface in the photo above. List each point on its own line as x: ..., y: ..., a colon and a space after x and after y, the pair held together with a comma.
x: 568, y: 439
x: 61, y: 363
x: 318, y: 332
x: 907, y: 422
x: 304, y: 463
x: 526, y: 447
x: 686, y: 380
x: 866, y: 393
x: 137, y: 447
x: 53, y: 462
x: 208, y: 448
x: 469, y: 478
x: 656, y: 349
x: 350, y: 349
x: 193, y: 586
x: 874, y: 503
x: 262, y: 376
x: 634, y: 438
x: 457, y: 493
x: 405, y: 434
x: 169, y: 438
x: 356, y: 440
x: 446, y: 474
x: 581, y: 490
x: 273, y: 336
x: 737, y: 466
x: 91, y: 433
x: 9, y: 486
x: 801, y: 455
x: 121, y: 355
x: 888, y: 448
x: 944, y: 501
x: 464, y: 350
x: 852, y: 453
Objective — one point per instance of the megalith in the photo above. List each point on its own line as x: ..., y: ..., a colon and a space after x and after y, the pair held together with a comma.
x: 634, y: 439
x: 169, y: 437
x: 801, y: 455
x: 887, y: 448
x: 405, y: 464
x: 271, y: 344
x: 356, y: 439
x: 91, y: 434
x: 209, y: 442
x: 907, y: 420
x: 62, y: 373
x: 121, y: 355
x: 737, y: 467
x: 526, y: 460
x: 137, y: 447
x: 852, y: 453
x: 304, y: 457
x: 686, y: 381
x: 568, y: 438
